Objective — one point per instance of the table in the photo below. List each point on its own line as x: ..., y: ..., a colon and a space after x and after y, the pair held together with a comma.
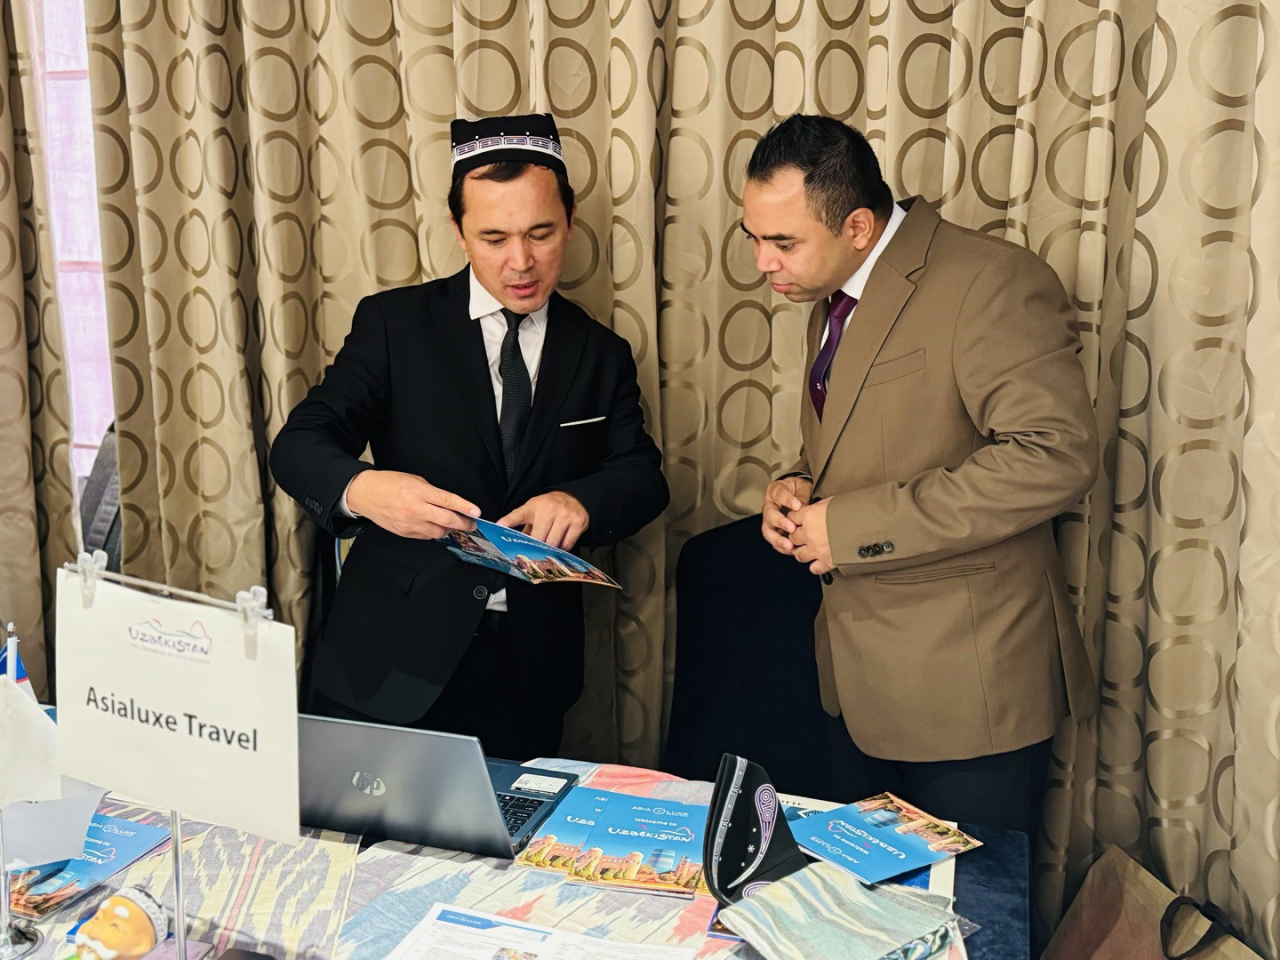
x: 397, y: 883
x: 328, y: 898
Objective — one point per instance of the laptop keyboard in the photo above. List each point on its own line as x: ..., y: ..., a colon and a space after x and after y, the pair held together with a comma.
x: 516, y: 810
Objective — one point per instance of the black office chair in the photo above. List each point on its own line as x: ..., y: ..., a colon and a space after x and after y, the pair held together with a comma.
x: 746, y: 681
x: 100, y: 502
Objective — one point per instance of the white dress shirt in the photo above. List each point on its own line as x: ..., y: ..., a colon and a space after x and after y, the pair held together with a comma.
x: 493, y: 325
x: 485, y: 308
x: 858, y: 282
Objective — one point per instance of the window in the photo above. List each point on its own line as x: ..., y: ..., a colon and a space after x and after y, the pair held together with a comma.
x: 61, y: 73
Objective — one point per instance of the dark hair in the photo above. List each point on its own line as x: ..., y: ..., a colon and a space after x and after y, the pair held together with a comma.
x: 841, y: 173
x: 505, y: 171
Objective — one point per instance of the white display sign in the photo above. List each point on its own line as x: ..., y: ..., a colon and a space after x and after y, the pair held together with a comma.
x: 158, y: 701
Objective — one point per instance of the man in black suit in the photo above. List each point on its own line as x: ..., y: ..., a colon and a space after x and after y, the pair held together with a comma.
x: 481, y: 394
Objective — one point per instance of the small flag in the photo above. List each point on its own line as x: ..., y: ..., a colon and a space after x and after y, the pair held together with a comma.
x: 11, y: 664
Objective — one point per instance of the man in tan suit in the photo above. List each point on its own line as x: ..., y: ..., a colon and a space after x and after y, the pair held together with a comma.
x: 945, y: 423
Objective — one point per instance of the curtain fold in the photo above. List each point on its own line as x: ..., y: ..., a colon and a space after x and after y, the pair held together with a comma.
x: 38, y: 527
x: 265, y: 164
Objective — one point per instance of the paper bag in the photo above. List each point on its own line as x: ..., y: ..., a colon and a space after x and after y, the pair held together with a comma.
x: 1124, y: 913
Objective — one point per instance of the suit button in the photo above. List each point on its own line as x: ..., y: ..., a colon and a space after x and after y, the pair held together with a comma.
x: 827, y: 578
x: 480, y: 593
x: 862, y: 552
x: 887, y: 546
x: 876, y: 549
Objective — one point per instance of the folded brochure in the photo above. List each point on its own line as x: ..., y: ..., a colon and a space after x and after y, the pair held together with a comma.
x: 110, y: 845
x: 618, y: 840
x: 560, y: 840
x: 520, y: 555
x: 880, y: 838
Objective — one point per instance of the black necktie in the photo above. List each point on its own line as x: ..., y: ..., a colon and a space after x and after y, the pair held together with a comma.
x: 517, y: 392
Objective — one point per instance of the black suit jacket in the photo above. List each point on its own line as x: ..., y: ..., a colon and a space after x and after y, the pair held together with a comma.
x: 412, y: 381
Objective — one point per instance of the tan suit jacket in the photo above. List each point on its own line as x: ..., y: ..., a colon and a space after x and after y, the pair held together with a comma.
x: 957, y: 425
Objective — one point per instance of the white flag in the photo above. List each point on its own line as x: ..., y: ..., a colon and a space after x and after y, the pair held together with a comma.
x: 29, y: 748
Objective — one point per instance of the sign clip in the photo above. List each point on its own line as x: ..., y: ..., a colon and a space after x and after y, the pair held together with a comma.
x: 252, y: 604
x: 90, y: 567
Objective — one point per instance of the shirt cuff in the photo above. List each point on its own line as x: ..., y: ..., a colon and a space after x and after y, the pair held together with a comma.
x: 343, y: 509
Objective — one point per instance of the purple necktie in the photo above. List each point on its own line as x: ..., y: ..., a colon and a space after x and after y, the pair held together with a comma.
x: 841, y: 306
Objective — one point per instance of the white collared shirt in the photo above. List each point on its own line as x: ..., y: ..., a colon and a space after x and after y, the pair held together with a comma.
x: 858, y: 282
x: 484, y: 307
x: 533, y: 333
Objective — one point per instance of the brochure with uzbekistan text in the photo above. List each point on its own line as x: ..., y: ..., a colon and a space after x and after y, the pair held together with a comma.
x: 110, y: 845
x: 519, y: 555
x: 639, y: 843
x: 557, y: 845
x: 880, y: 838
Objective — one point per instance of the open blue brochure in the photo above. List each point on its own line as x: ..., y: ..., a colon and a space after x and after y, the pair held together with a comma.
x: 879, y: 838
x: 519, y: 555
x: 559, y: 842
x: 110, y: 845
x: 645, y: 844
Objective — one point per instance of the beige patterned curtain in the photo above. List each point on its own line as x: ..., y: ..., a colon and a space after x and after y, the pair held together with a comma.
x: 264, y: 165
x: 38, y: 531
x: 1177, y: 570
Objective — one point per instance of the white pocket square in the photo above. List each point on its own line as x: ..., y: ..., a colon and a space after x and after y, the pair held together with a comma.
x: 578, y: 423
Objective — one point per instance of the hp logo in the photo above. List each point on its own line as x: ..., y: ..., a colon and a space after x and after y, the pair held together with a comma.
x: 367, y: 783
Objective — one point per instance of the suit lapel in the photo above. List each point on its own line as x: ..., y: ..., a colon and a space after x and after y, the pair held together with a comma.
x: 561, y: 351
x: 887, y: 292
x: 462, y: 344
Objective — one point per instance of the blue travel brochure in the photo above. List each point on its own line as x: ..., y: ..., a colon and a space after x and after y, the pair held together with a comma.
x: 110, y: 845
x: 558, y: 843
x: 880, y: 838
x: 519, y: 555
x: 645, y: 844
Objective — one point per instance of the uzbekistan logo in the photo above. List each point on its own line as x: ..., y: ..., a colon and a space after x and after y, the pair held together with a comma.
x: 193, y: 643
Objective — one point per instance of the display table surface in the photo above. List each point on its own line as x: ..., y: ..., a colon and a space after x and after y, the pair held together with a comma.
x: 328, y: 898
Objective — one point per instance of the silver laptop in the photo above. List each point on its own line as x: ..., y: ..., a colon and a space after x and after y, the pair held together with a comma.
x: 419, y: 786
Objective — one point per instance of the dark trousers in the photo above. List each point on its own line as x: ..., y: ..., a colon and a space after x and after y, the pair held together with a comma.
x: 1004, y: 790
x: 484, y: 698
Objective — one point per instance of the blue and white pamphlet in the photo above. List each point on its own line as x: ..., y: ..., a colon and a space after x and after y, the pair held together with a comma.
x: 450, y: 932
x: 110, y: 845
x: 879, y: 838
x: 645, y: 844
x: 557, y: 845
x: 520, y: 555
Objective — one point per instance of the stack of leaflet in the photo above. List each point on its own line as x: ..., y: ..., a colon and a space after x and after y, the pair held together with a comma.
x: 111, y: 845
x: 617, y: 840
x: 880, y: 838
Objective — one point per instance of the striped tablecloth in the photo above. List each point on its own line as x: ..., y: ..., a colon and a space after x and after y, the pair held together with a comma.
x: 319, y: 900
x: 397, y: 883
x: 240, y: 890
